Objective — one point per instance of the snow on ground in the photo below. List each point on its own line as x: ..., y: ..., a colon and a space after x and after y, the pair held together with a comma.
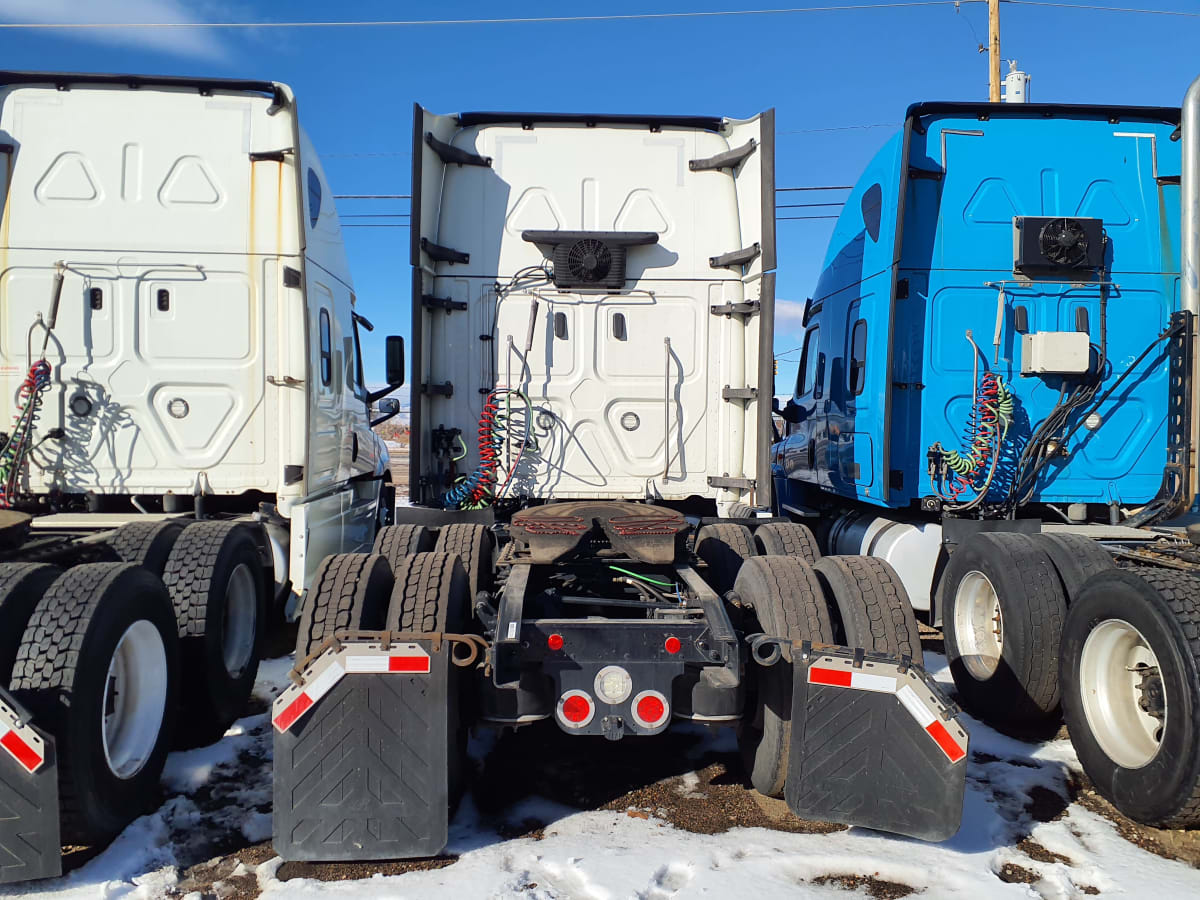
x: 219, y: 801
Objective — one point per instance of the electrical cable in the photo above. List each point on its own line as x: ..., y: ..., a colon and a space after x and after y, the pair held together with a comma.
x: 514, y: 20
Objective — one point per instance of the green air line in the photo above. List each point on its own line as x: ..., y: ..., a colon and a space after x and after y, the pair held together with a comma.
x: 669, y: 584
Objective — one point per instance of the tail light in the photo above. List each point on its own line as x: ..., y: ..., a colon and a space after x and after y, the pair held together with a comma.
x: 651, y: 709
x: 575, y: 709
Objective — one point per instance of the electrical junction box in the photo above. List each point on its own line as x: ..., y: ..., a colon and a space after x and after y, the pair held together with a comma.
x: 1055, y: 352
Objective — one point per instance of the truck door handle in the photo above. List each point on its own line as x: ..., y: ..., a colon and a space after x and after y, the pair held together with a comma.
x: 353, y: 447
x: 812, y: 453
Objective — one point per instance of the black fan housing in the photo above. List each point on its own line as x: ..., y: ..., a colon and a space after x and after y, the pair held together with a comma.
x: 589, y: 259
x: 1049, y: 244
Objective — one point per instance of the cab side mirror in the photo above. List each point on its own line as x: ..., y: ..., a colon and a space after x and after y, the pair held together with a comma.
x: 394, y: 354
x: 387, y: 408
x: 393, y: 367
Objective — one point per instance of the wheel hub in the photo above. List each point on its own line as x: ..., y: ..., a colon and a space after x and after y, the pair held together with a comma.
x: 978, y: 625
x: 1123, y: 695
x: 135, y: 699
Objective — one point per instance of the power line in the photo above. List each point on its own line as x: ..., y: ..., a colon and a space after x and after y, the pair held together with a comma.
x: 373, y: 215
x: 516, y: 20
x: 1094, y: 8
x: 828, y: 187
x: 803, y: 205
x: 842, y: 128
x: 372, y: 196
x: 799, y: 218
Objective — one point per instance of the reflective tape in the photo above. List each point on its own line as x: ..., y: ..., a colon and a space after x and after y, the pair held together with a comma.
x: 20, y: 749
x: 927, y: 720
x: 305, y: 697
x: 860, y: 681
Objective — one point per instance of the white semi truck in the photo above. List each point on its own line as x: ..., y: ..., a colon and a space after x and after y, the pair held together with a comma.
x: 187, y: 431
x: 591, y: 361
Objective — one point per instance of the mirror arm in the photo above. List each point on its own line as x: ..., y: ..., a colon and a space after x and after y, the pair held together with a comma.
x: 382, y: 419
x: 382, y: 392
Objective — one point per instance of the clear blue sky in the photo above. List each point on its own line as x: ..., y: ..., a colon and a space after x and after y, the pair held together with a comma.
x: 822, y: 71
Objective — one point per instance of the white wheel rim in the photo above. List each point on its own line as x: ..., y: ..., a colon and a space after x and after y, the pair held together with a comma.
x: 978, y: 625
x: 135, y: 698
x: 241, y: 617
x: 1119, y: 682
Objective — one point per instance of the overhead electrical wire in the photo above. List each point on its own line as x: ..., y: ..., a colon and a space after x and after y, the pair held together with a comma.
x: 512, y: 20
x: 1096, y: 8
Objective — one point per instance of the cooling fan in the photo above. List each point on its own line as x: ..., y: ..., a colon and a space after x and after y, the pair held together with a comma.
x: 1064, y: 242
x: 589, y: 260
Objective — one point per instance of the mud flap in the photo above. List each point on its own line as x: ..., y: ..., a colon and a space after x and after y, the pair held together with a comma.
x: 362, y: 765
x: 875, y: 744
x: 29, y: 838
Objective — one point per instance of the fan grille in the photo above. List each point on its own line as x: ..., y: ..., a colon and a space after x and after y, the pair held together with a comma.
x: 589, y: 260
x: 1064, y: 242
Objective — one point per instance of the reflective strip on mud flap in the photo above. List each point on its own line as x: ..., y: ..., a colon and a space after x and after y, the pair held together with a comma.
x: 24, y: 746
x: 860, y: 681
x: 355, y: 659
x: 927, y: 720
x: 883, y: 684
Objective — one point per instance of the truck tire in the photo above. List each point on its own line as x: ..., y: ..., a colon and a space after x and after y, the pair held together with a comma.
x: 398, y: 541
x: 349, y: 591
x: 873, y: 610
x: 1124, y: 621
x: 21, y: 587
x: 740, y: 510
x: 217, y: 583
x: 473, y: 545
x: 787, y: 539
x: 784, y: 600
x: 724, y: 546
x: 1003, y: 624
x: 98, y: 668
x: 147, y: 544
x: 1076, y: 559
x: 431, y: 594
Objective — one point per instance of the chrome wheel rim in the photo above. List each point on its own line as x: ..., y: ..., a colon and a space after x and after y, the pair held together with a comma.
x: 1122, y: 693
x: 241, y: 619
x: 135, y: 699
x: 978, y: 625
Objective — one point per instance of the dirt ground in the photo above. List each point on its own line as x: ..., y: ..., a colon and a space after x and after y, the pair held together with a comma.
x: 645, y: 778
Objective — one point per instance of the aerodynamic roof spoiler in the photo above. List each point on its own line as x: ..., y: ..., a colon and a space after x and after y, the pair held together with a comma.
x: 65, y: 80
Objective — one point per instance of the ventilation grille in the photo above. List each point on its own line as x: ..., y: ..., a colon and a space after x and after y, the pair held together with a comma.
x: 590, y: 259
x: 1058, y: 244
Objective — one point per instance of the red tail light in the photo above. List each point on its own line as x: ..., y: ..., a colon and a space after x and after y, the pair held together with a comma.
x: 650, y: 709
x: 555, y: 642
x: 672, y: 645
x: 575, y: 709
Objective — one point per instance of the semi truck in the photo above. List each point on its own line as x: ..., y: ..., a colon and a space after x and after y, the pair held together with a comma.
x: 996, y: 395
x: 591, y: 361
x: 188, y: 430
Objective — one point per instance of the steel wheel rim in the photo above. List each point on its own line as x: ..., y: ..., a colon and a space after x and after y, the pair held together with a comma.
x: 241, y: 617
x: 134, y: 699
x: 978, y: 625
x: 1116, y: 669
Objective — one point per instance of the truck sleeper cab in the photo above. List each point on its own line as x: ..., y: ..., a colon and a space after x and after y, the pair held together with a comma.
x: 996, y: 395
x: 187, y: 429
x: 591, y: 337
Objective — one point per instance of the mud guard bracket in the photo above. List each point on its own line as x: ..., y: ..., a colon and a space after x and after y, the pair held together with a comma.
x: 29, y: 834
x: 362, y: 758
x: 874, y: 744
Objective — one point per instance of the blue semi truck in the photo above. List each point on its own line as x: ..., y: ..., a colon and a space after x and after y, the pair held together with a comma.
x: 995, y: 395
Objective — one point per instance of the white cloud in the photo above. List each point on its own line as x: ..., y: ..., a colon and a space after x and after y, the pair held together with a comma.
x: 789, y: 313
x: 191, y: 42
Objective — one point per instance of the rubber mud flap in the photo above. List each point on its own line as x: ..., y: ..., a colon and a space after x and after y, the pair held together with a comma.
x: 362, y: 773
x: 29, y: 838
x: 874, y: 745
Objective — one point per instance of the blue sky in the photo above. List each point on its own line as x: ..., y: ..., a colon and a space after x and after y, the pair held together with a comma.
x: 823, y: 72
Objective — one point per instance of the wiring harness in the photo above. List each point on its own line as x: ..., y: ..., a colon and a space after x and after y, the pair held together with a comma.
x: 16, y: 448
x: 985, y: 433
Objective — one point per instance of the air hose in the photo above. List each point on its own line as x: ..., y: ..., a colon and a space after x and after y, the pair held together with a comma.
x: 15, y: 450
x: 986, y: 430
x: 477, y: 491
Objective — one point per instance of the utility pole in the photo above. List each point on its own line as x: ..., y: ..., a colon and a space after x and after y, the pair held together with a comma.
x: 994, y: 51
